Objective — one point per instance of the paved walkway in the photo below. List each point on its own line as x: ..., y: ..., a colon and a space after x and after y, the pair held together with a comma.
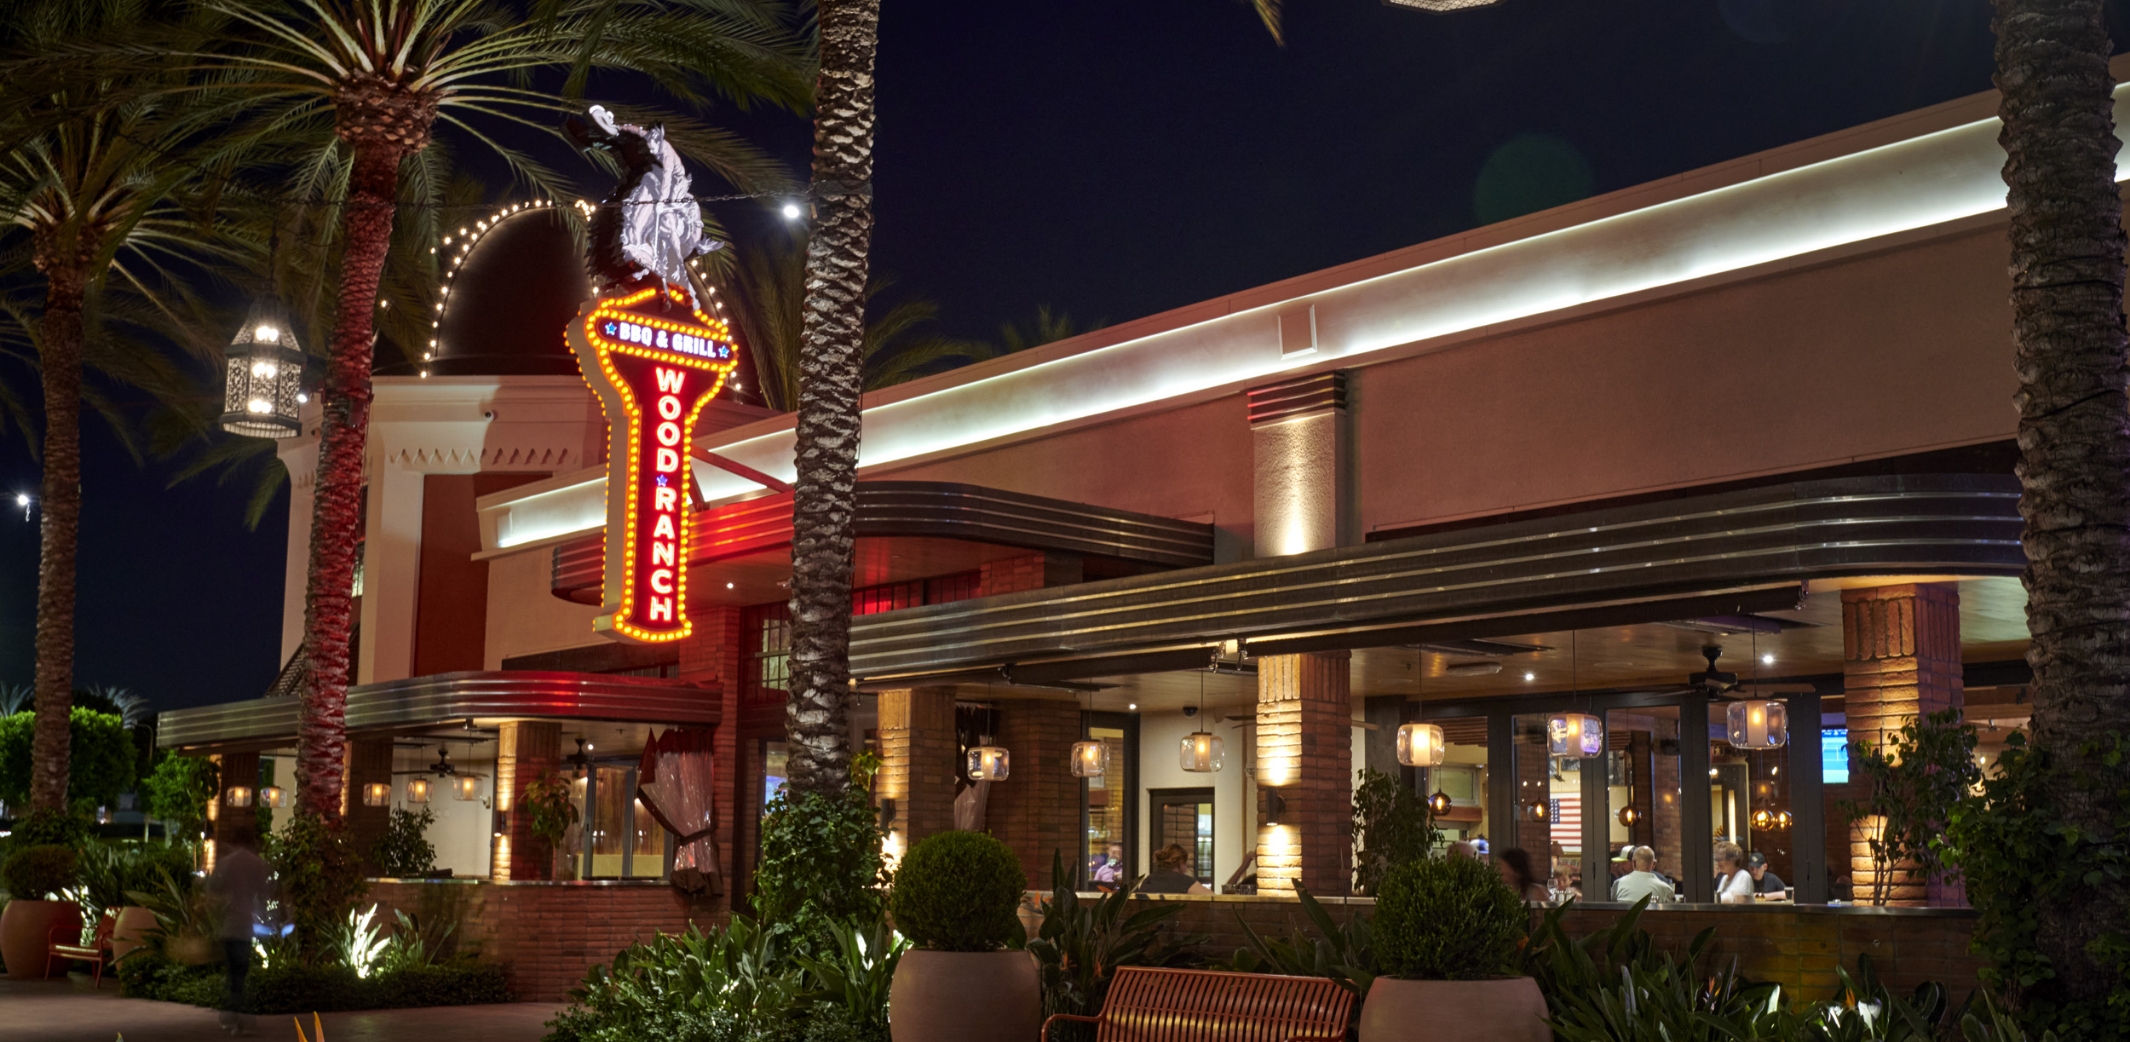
x: 68, y: 1011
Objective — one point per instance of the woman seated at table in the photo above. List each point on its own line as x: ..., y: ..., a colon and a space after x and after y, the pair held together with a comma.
x: 1734, y: 885
x: 1172, y: 873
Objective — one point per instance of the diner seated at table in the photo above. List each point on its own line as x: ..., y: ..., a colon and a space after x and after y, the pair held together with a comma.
x: 1643, y: 881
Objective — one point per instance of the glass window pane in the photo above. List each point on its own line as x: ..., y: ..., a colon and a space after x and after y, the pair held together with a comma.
x: 648, y: 855
x: 609, y: 820
x: 1463, y: 778
x: 1549, y: 805
x: 1643, y: 785
x: 1105, y: 857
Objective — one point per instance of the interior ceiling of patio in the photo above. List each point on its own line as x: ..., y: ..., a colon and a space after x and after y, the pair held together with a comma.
x: 1649, y: 656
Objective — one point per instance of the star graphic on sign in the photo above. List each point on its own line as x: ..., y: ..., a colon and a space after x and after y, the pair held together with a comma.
x: 661, y: 481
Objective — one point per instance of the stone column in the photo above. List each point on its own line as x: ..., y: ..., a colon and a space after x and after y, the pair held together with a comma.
x: 369, y: 762
x: 1901, y: 661
x: 1301, y: 496
x: 917, y: 769
x: 1036, y: 809
x: 1305, y: 761
x: 525, y: 750
x: 236, y: 824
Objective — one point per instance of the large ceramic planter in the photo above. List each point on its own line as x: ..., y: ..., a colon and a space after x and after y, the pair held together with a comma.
x: 25, y: 934
x: 1508, y: 1010
x: 130, y: 933
x: 964, y: 997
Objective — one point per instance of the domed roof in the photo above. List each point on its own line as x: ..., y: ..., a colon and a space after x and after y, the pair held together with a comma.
x: 510, y: 297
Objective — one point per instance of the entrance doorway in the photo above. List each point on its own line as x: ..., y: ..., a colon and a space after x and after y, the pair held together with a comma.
x: 1184, y: 817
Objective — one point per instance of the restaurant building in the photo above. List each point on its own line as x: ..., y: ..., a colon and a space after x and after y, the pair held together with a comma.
x: 1754, y: 419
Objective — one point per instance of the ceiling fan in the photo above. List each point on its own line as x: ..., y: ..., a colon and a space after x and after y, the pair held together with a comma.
x: 443, y: 767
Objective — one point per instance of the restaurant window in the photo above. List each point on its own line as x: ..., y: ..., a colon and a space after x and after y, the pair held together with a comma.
x: 1462, y: 778
x: 1184, y: 818
x: 768, y: 666
x: 622, y: 840
x: 1643, y: 789
x: 1108, y: 807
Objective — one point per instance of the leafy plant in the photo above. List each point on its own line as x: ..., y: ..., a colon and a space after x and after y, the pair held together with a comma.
x: 183, y: 913
x: 720, y: 985
x: 2018, y: 856
x: 39, y: 873
x: 319, y: 877
x: 360, y: 941
x: 100, y: 757
x: 1080, y: 946
x: 856, y: 974
x: 821, y: 862
x: 1995, y: 1025
x: 1393, y: 826
x: 552, y: 806
x: 110, y: 871
x: 1918, y: 778
x: 1344, y: 952
x: 404, y: 850
x: 1448, y: 919
x: 958, y: 892
x: 179, y: 790
x: 51, y: 828
x: 414, y: 944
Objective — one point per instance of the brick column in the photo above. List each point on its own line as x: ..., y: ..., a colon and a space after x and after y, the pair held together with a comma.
x: 1305, y: 758
x: 917, y: 751
x: 1034, y: 811
x: 1533, y: 783
x: 369, y: 762
x: 236, y: 824
x: 714, y: 656
x: 525, y: 750
x: 1901, y: 661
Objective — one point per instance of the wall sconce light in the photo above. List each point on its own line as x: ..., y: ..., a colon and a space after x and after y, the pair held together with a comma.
x: 237, y: 796
x: 418, y: 791
x: 1275, y: 805
x: 272, y: 796
x: 1420, y: 745
x: 1090, y: 759
x: 376, y: 794
x: 989, y: 762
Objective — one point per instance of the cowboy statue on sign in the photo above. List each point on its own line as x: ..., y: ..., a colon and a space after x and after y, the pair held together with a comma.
x: 650, y: 226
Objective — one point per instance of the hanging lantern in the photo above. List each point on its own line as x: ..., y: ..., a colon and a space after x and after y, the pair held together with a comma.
x: 1758, y: 725
x: 465, y: 788
x: 1439, y: 802
x: 418, y: 791
x: 1538, y: 810
x: 237, y: 796
x: 1420, y: 745
x: 1201, y: 752
x: 1782, y: 819
x: 376, y: 794
x: 1090, y: 759
x: 264, y: 377
x: 1763, y: 820
x: 989, y: 763
x: 272, y: 796
x: 1575, y: 734
x: 1628, y: 815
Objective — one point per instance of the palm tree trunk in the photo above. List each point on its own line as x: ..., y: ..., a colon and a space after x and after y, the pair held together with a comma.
x: 59, y: 355
x: 2072, y: 355
x: 830, y: 383
x: 343, y: 436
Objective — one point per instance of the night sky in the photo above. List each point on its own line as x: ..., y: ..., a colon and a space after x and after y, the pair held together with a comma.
x: 1116, y: 158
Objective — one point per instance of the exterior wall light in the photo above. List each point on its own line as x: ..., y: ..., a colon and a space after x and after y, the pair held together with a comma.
x: 1201, y: 752
x: 1758, y: 725
x: 272, y: 796
x: 376, y: 794
x: 1575, y: 734
x: 465, y: 788
x: 1090, y: 759
x: 990, y: 763
x: 1420, y: 745
x: 418, y: 791
x: 237, y: 796
x: 263, y: 377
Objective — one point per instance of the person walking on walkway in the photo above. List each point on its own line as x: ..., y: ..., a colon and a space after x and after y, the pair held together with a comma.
x: 240, y: 883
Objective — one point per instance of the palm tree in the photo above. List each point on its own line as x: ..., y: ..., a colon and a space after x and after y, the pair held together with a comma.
x: 92, y: 190
x: 831, y: 380
x: 383, y: 74
x: 1047, y: 327
x: 770, y: 285
x: 2071, y: 353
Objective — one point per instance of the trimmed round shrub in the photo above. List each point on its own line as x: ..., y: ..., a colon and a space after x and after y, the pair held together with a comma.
x: 1448, y: 919
x: 958, y: 892
x: 38, y: 873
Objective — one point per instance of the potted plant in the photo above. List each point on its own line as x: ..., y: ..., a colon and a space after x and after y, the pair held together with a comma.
x: 34, y: 877
x: 1447, y: 935
x: 956, y: 896
x: 551, y: 801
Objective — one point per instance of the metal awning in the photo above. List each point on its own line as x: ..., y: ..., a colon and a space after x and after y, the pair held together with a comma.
x: 1724, y: 553
x: 422, y: 703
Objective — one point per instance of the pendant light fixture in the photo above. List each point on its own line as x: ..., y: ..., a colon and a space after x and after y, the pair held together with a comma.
x: 1090, y: 758
x: 1439, y: 803
x: 262, y: 390
x: 465, y: 788
x: 1574, y: 734
x: 988, y: 762
x: 418, y: 791
x: 376, y: 794
x: 272, y: 796
x: 237, y: 796
x: 1420, y: 744
x: 1759, y: 724
x: 1201, y: 752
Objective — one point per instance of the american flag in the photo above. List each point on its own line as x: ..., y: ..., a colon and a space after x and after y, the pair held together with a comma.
x: 1568, y: 820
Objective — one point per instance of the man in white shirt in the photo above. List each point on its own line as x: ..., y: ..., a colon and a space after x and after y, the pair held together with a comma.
x: 1643, y: 881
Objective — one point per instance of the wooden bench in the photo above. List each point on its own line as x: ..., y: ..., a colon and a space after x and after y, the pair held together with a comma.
x: 1156, y: 1005
x: 97, y: 952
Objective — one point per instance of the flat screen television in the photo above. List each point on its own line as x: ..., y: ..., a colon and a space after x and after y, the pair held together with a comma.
x: 1834, y: 755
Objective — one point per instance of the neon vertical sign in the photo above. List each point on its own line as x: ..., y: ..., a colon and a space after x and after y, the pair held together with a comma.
x: 655, y: 362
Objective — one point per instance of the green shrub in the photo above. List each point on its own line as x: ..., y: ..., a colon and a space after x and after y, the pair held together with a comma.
x: 958, y: 892
x: 1393, y: 825
x: 100, y: 757
x: 1448, y: 919
x: 820, y: 862
x: 320, y: 879
x: 40, y: 873
x: 110, y: 872
x: 1079, y: 946
x: 147, y: 975
x: 404, y: 850
x: 1342, y: 951
x: 178, y: 791
x: 297, y: 988
x: 720, y: 985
